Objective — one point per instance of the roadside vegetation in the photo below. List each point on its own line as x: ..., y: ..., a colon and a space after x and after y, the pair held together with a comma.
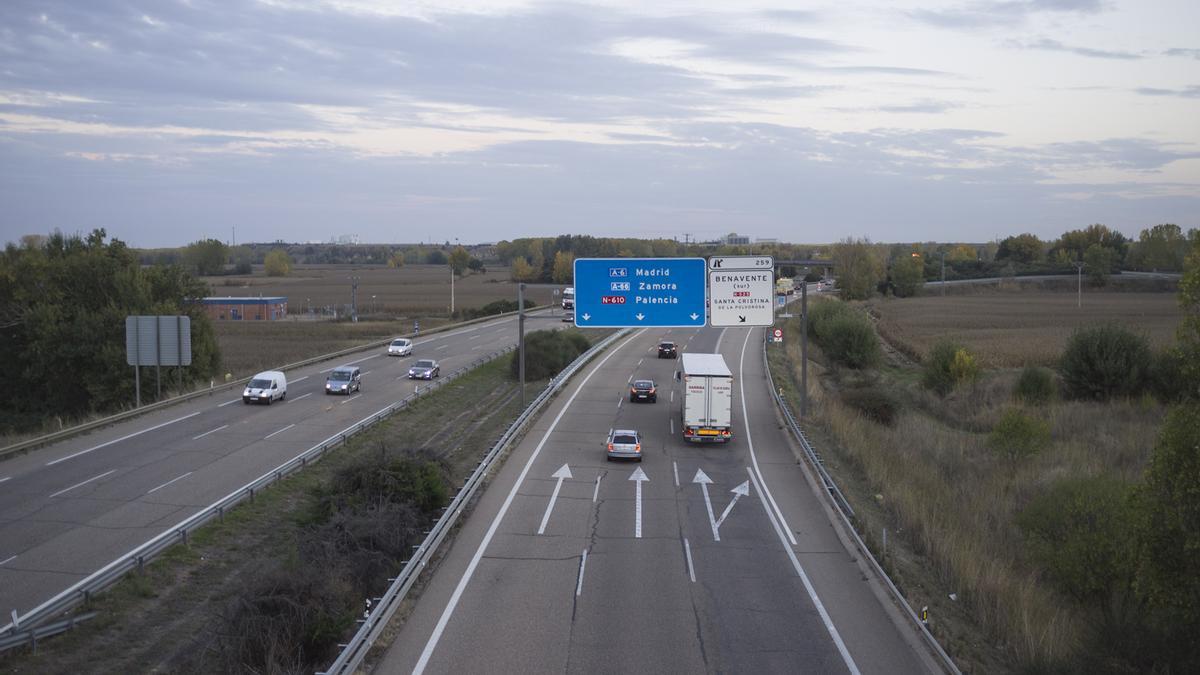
x: 1046, y: 510
x: 279, y: 583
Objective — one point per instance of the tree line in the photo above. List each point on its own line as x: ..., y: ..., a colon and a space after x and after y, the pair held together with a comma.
x: 63, y: 303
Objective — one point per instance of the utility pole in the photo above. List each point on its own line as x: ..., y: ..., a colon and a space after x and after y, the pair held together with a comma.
x: 354, y: 298
x: 521, y: 339
x: 803, y: 350
x: 943, y: 274
x: 1079, y: 296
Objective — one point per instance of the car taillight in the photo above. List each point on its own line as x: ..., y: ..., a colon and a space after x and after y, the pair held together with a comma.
x: 637, y: 448
x: 687, y: 432
x: 610, y: 447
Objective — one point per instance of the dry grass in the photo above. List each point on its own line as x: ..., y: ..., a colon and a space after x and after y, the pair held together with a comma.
x: 1010, y: 330
x: 412, y: 290
x: 954, y: 500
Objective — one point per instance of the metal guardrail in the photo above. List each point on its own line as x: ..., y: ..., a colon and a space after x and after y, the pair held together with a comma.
x: 82, y: 591
x: 29, y: 638
x: 31, y: 443
x: 847, y: 513
x: 381, y: 613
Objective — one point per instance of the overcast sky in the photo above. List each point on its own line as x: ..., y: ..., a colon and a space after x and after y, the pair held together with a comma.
x: 963, y: 120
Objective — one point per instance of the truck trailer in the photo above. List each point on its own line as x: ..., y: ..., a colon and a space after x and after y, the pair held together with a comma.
x: 707, y: 398
x: 568, y: 297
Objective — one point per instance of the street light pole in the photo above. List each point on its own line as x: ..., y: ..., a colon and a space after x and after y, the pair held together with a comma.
x: 521, y: 339
x: 1079, y: 296
x: 943, y: 273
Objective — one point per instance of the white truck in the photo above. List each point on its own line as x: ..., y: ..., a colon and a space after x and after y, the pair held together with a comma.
x: 707, y: 398
x: 568, y: 297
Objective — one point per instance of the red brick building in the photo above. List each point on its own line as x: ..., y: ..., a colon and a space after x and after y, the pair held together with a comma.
x: 246, y: 309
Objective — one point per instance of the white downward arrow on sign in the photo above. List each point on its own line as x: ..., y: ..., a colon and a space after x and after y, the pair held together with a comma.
x: 639, y: 476
x: 563, y: 473
x: 695, y: 316
x: 640, y: 316
x: 587, y: 317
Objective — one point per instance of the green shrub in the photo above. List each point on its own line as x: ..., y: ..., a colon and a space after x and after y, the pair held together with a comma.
x: 851, y: 341
x: 874, y: 404
x: 1081, y: 532
x: 548, y: 352
x: 822, y: 313
x: 1035, y: 385
x: 1167, y: 380
x: 1105, y: 361
x: 948, y: 365
x: 1018, y: 435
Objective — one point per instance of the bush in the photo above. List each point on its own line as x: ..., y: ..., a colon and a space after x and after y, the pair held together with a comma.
x: 1105, y: 361
x: 1167, y: 380
x: 822, y: 313
x: 874, y: 404
x: 1017, y: 435
x: 948, y: 365
x: 548, y: 352
x: 497, y: 307
x: 845, y: 333
x: 1081, y: 532
x: 1035, y: 386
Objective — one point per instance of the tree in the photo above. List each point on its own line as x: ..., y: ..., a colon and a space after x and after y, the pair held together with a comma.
x: 476, y: 265
x: 521, y: 270
x: 1098, y: 261
x: 1162, y: 247
x: 1022, y: 248
x: 278, y: 263
x: 436, y: 257
x: 1188, y: 333
x: 564, y: 267
x: 207, y: 256
x: 1078, y: 241
x: 858, y: 268
x: 62, y: 309
x: 908, y: 275
x: 962, y: 253
x: 396, y: 260
x: 459, y: 259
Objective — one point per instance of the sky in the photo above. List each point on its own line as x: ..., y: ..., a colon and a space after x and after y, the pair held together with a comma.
x: 169, y: 121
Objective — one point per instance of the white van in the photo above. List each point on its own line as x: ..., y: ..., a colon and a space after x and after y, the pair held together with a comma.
x: 265, y: 387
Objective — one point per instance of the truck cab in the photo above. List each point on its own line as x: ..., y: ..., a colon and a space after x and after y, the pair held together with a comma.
x: 568, y: 297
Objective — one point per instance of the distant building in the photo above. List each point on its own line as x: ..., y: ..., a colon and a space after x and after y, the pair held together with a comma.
x: 245, y: 309
x: 735, y: 239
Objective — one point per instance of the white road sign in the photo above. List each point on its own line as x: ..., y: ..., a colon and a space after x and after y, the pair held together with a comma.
x: 741, y: 262
x: 741, y: 297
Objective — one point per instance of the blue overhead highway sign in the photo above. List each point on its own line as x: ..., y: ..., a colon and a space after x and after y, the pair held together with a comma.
x: 620, y: 292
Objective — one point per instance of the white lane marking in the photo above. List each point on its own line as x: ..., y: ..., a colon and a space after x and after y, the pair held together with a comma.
x: 350, y: 398
x: 298, y: 379
x: 474, y: 337
x: 278, y: 432
x: 229, y: 403
x: 687, y: 548
x: 640, y: 361
x: 5, y: 478
x: 440, y: 348
x: 672, y: 396
x: 675, y: 466
x: 703, y: 479
x: 620, y: 402
x: 812, y: 593
x: 169, y: 482
x: 562, y: 474
x: 476, y: 347
x: 721, y: 336
x: 431, y: 644
x: 596, y: 492
x: 223, y: 426
x: 367, y: 373
x: 8, y: 560
x: 582, y: 564
x: 123, y: 438
x: 83, y: 483
x: 750, y: 442
x: 302, y: 396
x: 673, y: 433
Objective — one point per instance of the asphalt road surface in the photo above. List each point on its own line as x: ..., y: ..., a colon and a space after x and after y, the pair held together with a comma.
x: 700, y: 558
x: 69, y: 509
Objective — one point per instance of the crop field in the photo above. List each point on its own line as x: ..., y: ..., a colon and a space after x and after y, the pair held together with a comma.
x: 1011, y: 330
x: 412, y: 290
x: 389, y: 302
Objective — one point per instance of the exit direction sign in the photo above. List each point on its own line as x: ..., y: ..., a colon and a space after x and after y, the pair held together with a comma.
x: 635, y: 292
x: 741, y: 290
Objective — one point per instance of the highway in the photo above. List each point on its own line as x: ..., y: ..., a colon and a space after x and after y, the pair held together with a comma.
x: 700, y: 558
x: 69, y: 509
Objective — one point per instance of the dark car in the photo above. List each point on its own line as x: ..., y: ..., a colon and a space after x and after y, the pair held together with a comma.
x: 425, y: 369
x: 643, y: 390
x: 666, y: 350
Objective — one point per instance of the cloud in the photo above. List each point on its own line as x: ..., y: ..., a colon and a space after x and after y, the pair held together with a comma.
x: 1046, y: 44
x: 989, y: 14
x: 1187, y: 92
x: 1188, y: 53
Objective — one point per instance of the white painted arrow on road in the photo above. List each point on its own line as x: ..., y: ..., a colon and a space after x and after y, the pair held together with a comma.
x: 564, y: 472
x: 738, y: 492
x: 639, y: 476
x: 703, y: 479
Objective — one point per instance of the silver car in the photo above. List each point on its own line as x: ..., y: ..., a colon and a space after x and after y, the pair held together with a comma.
x: 343, y: 380
x: 624, y: 444
x: 424, y: 369
x: 400, y: 347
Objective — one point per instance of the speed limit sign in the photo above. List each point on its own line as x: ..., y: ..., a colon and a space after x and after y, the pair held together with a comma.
x: 777, y: 335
